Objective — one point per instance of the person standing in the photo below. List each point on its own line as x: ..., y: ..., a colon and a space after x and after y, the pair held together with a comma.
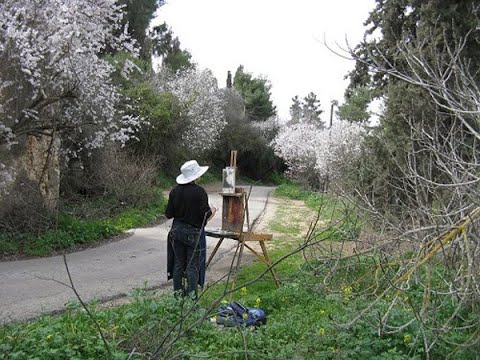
x: 188, y: 206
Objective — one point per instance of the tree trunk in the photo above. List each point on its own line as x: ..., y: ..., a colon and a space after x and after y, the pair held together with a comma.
x: 40, y: 162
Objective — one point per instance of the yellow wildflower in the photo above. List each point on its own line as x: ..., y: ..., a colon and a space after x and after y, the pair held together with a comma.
x: 321, y: 331
x: 243, y: 291
x: 407, y: 339
x: 347, y: 292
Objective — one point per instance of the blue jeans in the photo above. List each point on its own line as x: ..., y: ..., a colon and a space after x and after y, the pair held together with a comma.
x: 185, y: 239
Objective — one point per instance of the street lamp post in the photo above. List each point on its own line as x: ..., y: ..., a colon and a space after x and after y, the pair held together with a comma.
x: 334, y: 103
x: 327, y: 178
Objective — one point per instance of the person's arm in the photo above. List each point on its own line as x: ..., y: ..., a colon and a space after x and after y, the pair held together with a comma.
x: 213, y: 210
x: 169, y: 211
x: 208, y: 210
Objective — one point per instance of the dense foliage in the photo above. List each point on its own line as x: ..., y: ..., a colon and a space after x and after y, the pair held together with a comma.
x: 58, y: 98
x: 355, y: 108
x: 417, y: 176
x: 255, y: 92
x: 138, y: 15
x: 256, y: 159
x: 167, y: 46
x: 422, y: 56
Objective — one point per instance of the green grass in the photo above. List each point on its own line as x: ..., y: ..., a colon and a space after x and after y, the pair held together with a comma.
x: 330, y: 208
x: 73, y: 335
x: 291, y: 191
x: 282, y: 225
x: 314, y: 200
x: 303, y: 319
x: 165, y: 182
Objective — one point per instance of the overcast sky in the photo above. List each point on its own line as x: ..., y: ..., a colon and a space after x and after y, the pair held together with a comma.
x: 279, y: 39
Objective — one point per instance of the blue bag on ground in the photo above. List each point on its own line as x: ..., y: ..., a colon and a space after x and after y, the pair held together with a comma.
x: 235, y: 313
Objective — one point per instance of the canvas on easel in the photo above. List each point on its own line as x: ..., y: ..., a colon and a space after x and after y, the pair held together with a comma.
x: 233, y: 198
x: 228, y: 186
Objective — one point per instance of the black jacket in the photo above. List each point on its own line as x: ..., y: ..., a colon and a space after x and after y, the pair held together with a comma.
x: 189, y: 204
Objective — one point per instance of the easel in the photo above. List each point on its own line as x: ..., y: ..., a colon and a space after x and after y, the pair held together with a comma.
x: 234, y: 212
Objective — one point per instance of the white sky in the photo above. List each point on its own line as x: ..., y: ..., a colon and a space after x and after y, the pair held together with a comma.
x: 279, y: 39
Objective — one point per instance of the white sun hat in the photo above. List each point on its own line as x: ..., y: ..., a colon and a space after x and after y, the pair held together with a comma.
x: 190, y: 171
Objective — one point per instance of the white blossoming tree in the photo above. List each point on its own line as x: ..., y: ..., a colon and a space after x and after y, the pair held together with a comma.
x: 296, y: 144
x: 337, y: 147
x: 318, y: 155
x: 202, y: 103
x: 55, y: 82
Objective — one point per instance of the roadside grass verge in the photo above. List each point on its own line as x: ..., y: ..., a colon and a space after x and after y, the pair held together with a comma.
x: 73, y: 231
x: 88, y: 221
x: 307, y: 316
x: 329, y: 205
x: 85, y: 221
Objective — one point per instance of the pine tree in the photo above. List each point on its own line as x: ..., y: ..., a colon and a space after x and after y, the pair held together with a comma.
x: 256, y: 94
x: 295, y: 110
x: 138, y: 14
x: 311, y: 110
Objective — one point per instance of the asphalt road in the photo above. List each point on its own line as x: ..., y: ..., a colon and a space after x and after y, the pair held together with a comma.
x: 29, y: 288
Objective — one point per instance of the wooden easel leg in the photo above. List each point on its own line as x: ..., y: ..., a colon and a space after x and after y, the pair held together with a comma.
x: 246, y: 212
x: 269, y: 263
x: 214, y: 252
x: 241, y: 246
x: 240, y: 255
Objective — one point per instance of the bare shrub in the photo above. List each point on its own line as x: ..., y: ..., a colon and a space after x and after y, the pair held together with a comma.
x: 424, y: 257
x: 23, y: 210
x: 128, y: 179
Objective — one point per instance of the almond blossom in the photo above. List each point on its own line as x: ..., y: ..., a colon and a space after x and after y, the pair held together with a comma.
x: 313, y: 154
x: 202, y: 103
x: 53, y: 75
